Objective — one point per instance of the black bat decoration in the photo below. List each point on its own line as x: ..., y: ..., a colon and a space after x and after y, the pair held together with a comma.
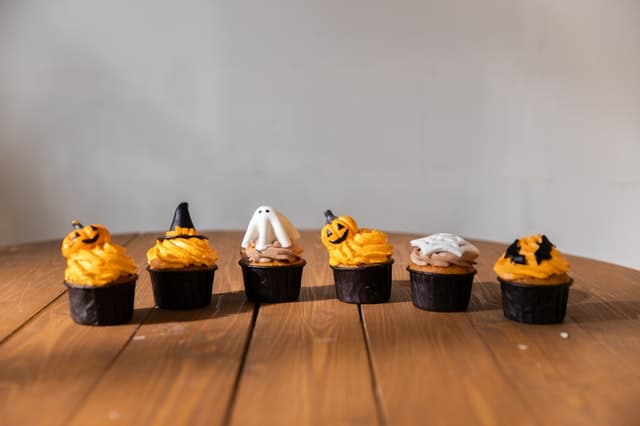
x: 544, y: 250
x: 513, y: 253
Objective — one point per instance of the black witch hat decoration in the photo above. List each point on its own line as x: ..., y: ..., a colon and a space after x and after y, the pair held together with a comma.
x: 181, y: 217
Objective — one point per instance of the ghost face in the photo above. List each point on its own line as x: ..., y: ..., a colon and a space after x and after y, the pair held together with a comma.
x: 268, y: 225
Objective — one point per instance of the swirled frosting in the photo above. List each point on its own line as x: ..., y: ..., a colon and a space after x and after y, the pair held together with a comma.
x: 272, y: 253
x: 531, y: 257
x: 99, y: 265
x: 181, y: 248
x: 365, y: 247
x: 443, y: 250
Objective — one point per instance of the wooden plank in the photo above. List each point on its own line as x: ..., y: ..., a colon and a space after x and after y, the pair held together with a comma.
x: 571, y: 377
x: 433, y: 368
x: 307, y: 362
x: 51, y: 363
x: 31, y: 277
x: 181, y: 367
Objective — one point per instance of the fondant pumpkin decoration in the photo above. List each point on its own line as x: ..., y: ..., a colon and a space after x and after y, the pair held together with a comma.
x: 84, y: 238
x: 337, y: 229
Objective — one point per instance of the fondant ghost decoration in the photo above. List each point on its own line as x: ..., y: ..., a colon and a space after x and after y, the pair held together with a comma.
x: 445, y: 243
x: 268, y: 225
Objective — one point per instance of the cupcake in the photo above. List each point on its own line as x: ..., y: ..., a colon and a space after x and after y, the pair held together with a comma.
x: 360, y: 259
x: 100, y: 277
x: 182, y: 265
x: 534, y: 281
x: 442, y: 271
x: 270, y: 258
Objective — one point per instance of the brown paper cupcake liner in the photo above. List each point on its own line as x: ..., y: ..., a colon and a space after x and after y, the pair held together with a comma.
x: 534, y: 304
x: 441, y: 292
x: 272, y: 284
x: 363, y: 284
x: 102, y: 305
x: 182, y: 288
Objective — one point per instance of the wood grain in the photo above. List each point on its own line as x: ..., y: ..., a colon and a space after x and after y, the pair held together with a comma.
x: 307, y: 363
x: 52, y: 363
x: 313, y: 361
x: 569, y: 376
x: 181, y: 366
x: 434, y: 368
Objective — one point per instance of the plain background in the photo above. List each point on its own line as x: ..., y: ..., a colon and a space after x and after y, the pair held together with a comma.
x: 490, y: 119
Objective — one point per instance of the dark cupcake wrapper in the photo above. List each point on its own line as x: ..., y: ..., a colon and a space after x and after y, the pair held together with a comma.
x: 182, y: 288
x: 534, y: 304
x: 102, y: 305
x: 363, y: 284
x: 441, y: 292
x: 272, y: 283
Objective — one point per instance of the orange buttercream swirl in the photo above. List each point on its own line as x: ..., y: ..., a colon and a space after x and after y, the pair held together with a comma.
x: 531, y: 257
x: 99, y: 266
x: 181, y: 248
x: 365, y: 247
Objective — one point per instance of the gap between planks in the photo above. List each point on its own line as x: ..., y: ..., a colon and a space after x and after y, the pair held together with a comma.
x: 245, y: 351
x: 32, y: 317
x: 382, y: 420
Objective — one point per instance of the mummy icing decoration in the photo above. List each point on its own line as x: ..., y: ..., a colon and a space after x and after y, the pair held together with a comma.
x: 442, y: 250
x: 267, y: 225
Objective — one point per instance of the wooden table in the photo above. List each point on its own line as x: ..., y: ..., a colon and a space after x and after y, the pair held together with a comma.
x: 316, y: 361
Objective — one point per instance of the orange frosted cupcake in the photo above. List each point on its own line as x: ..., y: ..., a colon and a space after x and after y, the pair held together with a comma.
x: 534, y: 281
x: 271, y: 258
x: 100, y: 277
x: 182, y: 265
x: 360, y: 259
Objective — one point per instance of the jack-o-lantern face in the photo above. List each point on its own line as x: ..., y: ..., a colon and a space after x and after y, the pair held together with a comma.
x: 337, y: 230
x: 84, y: 238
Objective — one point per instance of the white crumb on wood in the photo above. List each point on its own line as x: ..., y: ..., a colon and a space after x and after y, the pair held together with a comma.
x: 523, y: 347
x: 564, y: 334
x: 139, y: 337
x: 113, y: 415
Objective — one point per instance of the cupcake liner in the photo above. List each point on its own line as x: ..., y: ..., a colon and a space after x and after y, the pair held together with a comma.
x: 534, y: 304
x: 363, y: 284
x: 441, y: 292
x: 272, y: 284
x: 182, y: 288
x: 102, y: 305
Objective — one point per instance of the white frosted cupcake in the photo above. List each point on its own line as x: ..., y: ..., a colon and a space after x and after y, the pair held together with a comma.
x: 442, y: 270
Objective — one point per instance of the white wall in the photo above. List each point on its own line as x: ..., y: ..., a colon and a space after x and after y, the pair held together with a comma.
x: 489, y: 119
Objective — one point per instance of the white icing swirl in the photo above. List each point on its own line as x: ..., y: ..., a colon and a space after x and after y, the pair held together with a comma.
x: 443, y: 250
